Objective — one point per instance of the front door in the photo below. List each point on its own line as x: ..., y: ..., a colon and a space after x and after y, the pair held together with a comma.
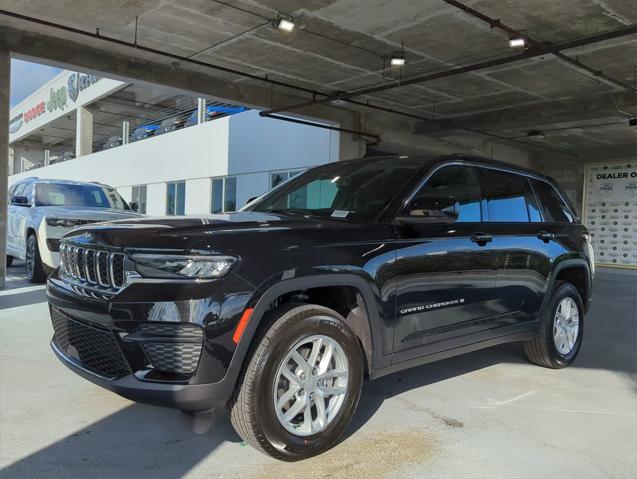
x: 446, y: 266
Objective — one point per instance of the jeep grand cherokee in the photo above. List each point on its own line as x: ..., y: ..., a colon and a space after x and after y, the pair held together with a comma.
x: 352, y: 270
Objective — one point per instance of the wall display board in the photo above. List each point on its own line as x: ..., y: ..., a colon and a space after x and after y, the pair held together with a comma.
x: 610, y: 212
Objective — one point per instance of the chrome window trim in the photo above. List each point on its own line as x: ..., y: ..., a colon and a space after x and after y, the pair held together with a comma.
x: 476, y: 164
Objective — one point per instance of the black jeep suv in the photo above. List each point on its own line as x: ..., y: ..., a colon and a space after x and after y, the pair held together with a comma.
x: 353, y: 269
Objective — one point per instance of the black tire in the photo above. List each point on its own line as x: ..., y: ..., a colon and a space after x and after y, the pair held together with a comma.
x: 252, y: 410
x: 542, y: 350
x: 35, y: 269
x: 9, y: 261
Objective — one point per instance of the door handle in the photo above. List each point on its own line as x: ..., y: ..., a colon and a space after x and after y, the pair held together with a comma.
x: 545, y: 236
x: 481, y: 238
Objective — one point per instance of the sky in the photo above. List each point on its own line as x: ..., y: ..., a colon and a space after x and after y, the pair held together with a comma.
x: 26, y: 77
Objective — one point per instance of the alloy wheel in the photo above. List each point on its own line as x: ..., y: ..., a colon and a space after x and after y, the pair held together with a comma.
x: 566, y: 326
x: 30, y: 256
x: 310, y: 385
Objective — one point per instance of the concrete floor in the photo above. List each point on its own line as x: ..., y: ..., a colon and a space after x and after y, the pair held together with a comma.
x: 487, y: 414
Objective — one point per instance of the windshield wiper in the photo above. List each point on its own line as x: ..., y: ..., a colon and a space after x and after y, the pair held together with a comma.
x: 292, y: 211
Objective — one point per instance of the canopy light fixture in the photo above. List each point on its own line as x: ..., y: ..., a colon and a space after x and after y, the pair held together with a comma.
x: 284, y: 23
x: 517, y: 42
x: 397, y: 60
x: 535, y: 135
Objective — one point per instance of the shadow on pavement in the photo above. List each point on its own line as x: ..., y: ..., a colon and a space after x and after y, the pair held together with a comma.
x: 137, y: 441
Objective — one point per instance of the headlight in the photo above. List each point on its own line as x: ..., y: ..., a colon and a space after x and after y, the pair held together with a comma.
x: 64, y: 223
x: 178, y: 266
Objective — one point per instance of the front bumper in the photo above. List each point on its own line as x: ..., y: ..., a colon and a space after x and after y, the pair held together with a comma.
x: 187, y: 397
x: 182, y: 357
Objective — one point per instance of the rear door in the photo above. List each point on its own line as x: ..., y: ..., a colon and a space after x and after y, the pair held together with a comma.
x: 20, y: 217
x: 522, y: 244
x: 446, y: 266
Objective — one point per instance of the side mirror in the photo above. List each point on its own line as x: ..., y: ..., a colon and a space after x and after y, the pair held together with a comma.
x: 134, y: 206
x: 251, y: 200
x: 20, y: 201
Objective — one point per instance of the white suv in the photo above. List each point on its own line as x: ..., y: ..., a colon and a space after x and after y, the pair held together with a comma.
x: 42, y: 211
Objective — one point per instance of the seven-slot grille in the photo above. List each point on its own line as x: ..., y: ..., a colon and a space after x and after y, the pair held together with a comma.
x: 92, y: 267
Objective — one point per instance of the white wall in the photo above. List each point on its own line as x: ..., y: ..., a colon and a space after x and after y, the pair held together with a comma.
x: 198, y: 196
x: 194, y: 152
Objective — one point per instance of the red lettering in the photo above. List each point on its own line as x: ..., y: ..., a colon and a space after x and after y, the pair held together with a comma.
x: 34, y: 112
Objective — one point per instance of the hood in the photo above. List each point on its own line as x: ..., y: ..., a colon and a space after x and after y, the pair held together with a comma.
x: 209, y: 232
x: 84, y: 213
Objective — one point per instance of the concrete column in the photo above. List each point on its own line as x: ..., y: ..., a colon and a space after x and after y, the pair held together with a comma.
x: 5, y: 75
x: 125, y: 132
x: 83, y: 132
x: 201, y: 110
x: 47, y: 157
x: 351, y: 146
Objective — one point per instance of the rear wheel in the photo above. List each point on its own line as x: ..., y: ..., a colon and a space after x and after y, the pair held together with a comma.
x: 34, y: 266
x: 9, y: 261
x: 302, y: 384
x: 559, y: 336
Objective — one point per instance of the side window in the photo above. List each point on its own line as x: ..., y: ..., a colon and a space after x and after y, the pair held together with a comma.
x: 532, y: 203
x: 175, y: 198
x: 504, y: 193
x: 452, y: 193
x: 139, y: 197
x: 28, y: 192
x: 10, y: 195
x: 18, y: 190
x: 553, y: 207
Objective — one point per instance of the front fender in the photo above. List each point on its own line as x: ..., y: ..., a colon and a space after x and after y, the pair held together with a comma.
x: 278, y: 285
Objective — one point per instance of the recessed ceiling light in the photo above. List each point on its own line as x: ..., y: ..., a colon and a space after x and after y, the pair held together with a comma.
x: 517, y: 42
x: 286, y: 24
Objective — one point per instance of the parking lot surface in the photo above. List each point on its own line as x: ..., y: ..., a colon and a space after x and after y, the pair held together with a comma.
x: 486, y: 414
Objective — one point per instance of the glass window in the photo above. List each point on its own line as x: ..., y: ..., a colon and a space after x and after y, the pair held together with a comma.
x: 504, y: 193
x: 230, y: 194
x: 217, y: 196
x: 531, y: 203
x: 452, y: 193
x: 89, y: 195
x: 553, y: 207
x: 175, y: 198
x: 139, y: 197
x: 357, y: 189
x: 18, y: 190
x: 277, y: 178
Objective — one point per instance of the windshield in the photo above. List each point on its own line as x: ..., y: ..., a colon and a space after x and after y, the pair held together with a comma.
x: 88, y: 195
x: 358, y: 190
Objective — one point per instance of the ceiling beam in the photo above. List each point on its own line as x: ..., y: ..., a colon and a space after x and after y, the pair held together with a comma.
x: 537, y: 114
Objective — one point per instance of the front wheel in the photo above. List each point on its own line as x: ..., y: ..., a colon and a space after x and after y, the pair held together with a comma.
x: 559, y: 336
x: 302, y: 384
x: 35, y: 268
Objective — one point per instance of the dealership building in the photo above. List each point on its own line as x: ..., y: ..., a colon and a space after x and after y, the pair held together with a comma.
x: 170, y: 152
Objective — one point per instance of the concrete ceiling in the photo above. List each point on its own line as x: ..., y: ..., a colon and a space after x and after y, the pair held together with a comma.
x: 342, y: 45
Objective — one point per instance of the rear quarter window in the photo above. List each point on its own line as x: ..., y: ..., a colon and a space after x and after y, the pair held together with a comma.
x: 554, y: 209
